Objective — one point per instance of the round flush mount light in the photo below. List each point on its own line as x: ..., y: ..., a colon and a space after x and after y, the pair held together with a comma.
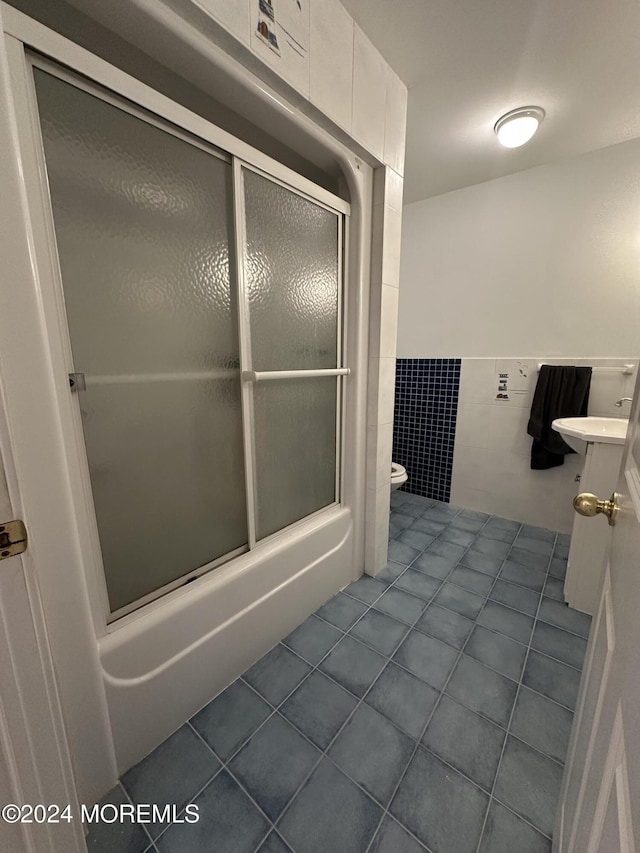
x: 515, y: 128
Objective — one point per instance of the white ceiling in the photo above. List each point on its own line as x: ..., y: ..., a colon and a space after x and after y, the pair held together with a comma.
x: 467, y: 62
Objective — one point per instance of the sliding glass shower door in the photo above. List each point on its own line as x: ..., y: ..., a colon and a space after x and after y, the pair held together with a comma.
x: 203, y: 305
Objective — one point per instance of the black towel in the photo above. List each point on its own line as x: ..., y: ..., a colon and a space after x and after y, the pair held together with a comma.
x: 561, y: 392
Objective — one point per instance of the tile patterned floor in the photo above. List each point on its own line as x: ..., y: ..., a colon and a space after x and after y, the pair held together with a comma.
x: 426, y: 710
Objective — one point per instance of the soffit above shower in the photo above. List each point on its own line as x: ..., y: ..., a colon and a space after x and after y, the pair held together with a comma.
x: 467, y: 63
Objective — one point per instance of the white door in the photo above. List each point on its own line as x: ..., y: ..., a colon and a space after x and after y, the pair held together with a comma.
x: 600, y: 802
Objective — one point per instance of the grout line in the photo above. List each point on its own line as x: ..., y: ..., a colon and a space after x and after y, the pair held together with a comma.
x: 513, y: 708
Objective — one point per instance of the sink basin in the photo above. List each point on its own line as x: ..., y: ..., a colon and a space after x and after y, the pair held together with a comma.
x: 578, y: 431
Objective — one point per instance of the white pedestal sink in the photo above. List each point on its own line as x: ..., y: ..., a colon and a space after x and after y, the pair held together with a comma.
x: 601, y: 441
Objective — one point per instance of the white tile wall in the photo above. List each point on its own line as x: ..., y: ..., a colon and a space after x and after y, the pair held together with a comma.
x: 331, y: 60
x: 395, y: 122
x: 491, y: 465
x: 369, y: 95
x: 234, y: 17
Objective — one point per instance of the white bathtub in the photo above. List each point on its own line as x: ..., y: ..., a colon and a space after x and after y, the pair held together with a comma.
x: 176, y: 657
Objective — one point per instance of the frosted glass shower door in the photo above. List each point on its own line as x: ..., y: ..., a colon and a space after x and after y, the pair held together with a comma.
x: 143, y: 219
x: 292, y: 288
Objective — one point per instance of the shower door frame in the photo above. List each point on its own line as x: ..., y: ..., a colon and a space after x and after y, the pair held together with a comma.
x: 173, y: 119
x: 35, y: 398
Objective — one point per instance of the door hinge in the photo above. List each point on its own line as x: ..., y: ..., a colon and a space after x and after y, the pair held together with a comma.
x: 13, y: 539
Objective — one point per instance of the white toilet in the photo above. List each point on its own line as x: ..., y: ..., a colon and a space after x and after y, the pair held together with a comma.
x: 398, y: 476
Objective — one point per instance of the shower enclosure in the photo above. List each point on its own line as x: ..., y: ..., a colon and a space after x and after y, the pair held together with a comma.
x: 178, y: 333
x: 203, y: 299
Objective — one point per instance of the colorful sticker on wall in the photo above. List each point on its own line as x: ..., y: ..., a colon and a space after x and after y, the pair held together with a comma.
x: 289, y: 24
x: 511, y: 379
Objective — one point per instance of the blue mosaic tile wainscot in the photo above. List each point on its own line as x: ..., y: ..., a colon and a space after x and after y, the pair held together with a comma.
x: 424, y: 427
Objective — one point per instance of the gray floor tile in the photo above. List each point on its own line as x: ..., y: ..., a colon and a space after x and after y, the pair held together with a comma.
x: 428, y: 525
x: 434, y: 565
x: 554, y: 588
x: 538, y: 533
x: 390, y: 572
x: 394, y: 531
x: 366, y: 589
x: 536, y: 546
x: 342, y: 611
x: 569, y: 648
x: 540, y: 562
x: 504, y: 832
x: 416, y: 538
x: 542, y: 724
x: 274, y: 844
x: 379, y: 631
x: 419, y: 584
x: 443, y: 512
x: 482, y: 690
x: 461, y: 600
x: 448, y: 550
x: 442, y: 808
x: 492, y: 531
x: 507, y: 621
x: 229, y: 822
x: 472, y: 513
x: 404, y: 699
x: 319, y: 708
x: 353, y: 665
x: 472, y: 580
x: 330, y: 814
x: 273, y: 765
x: 276, y: 674
x: 400, y: 552
x: 401, y: 519
x: 415, y: 508
x: 400, y: 605
x: 457, y: 536
x: 392, y: 838
x: 445, y: 625
x: 529, y: 783
x: 173, y: 773
x: 558, y: 613
x: 313, y: 639
x: 372, y: 752
x: 552, y: 678
x: 428, y: 658
x: 229, y: 720
x: 497, y: 651
x: 517, y: 597
x: 561, y: 551
x: 563, y: 539
x: 558, y: 568
x: 492, y: 547
x: 121, y: 836
x: 523, y: 575
x: 482, y: 562
x: 465, y: 740
x: 463, y: 522
x: 504, y: 523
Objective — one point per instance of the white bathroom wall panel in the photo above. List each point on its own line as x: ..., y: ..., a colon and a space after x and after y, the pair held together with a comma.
x: 331, y: 58
x: 369, y: 95
x: 542, y: 261
x: 491, y: 464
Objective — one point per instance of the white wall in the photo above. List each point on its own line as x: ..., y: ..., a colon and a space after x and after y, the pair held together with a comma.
x: 491, y: 462
x: 544, y: 261
x: 540, y: 266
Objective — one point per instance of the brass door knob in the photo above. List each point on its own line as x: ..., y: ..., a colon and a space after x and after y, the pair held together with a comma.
x: 589, y: 505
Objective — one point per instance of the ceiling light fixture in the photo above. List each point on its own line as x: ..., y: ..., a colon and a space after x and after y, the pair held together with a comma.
x: 515, y: 128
